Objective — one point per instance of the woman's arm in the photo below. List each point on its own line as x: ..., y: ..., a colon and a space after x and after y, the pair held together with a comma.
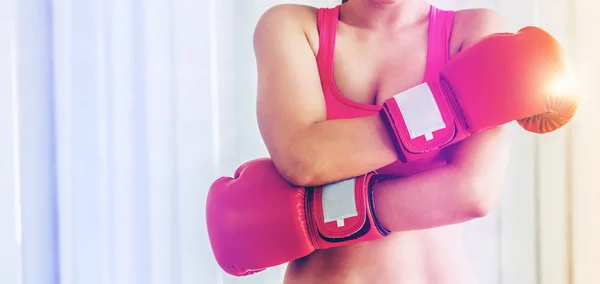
x: 470, y: 185
x: 467, y: 188
x: 306, y: 148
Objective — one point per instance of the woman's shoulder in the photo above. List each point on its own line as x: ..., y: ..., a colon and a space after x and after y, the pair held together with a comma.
x: 470, y: 25
x: 297, y: 15
x: 289, y: 20
x: 477, y: 18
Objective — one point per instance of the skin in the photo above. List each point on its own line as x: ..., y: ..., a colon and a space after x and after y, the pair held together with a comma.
x: 380, y: 51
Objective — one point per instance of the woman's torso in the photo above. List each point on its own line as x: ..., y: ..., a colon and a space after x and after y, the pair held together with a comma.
x: 359, y: 70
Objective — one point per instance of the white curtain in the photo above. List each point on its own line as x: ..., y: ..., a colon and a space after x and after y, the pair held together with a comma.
x: 10, y: 254
x: 116, y: 115
x: 115, y: 119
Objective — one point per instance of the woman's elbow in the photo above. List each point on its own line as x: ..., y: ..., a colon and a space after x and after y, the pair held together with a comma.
x: 296, y: 176
x: 483, y: 196
x: 481, y: 208
x: 298, y: 171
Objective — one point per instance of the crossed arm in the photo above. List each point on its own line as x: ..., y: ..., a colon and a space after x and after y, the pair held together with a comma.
x: 308, y: 149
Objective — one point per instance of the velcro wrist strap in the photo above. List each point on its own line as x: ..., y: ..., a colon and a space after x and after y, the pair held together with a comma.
x: 341, y: 212
x: 419, y: 120
x: 372, y: 183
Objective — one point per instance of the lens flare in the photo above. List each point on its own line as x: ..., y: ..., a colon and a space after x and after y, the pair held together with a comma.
x: 565, y: 85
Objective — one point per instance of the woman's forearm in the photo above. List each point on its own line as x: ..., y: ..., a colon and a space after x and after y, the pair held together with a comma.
x: 468, y: 187
x: 432, y: 199
x: 334, y: 150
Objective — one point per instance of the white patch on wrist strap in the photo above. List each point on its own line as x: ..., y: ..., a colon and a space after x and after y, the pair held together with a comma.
x: 420, y: 111
x: 339, y: 201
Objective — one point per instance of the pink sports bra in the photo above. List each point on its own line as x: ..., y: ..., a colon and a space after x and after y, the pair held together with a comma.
x: 338, y: 106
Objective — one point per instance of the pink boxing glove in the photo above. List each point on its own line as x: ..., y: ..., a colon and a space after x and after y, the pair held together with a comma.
x: 502, y: 78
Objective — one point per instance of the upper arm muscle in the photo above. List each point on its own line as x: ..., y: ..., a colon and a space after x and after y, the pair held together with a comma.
x: 474, y: 24
x: 290, y: 97
x: 484, y: 152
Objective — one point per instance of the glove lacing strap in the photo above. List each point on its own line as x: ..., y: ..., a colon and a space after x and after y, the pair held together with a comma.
x: 371, y: 188
x: 327, y: 238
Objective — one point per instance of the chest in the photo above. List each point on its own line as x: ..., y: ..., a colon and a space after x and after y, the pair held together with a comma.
x: 371, y: 69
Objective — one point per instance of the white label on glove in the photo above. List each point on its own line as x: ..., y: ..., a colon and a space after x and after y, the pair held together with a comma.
x: 339, y: 201
x: 420, y: 111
